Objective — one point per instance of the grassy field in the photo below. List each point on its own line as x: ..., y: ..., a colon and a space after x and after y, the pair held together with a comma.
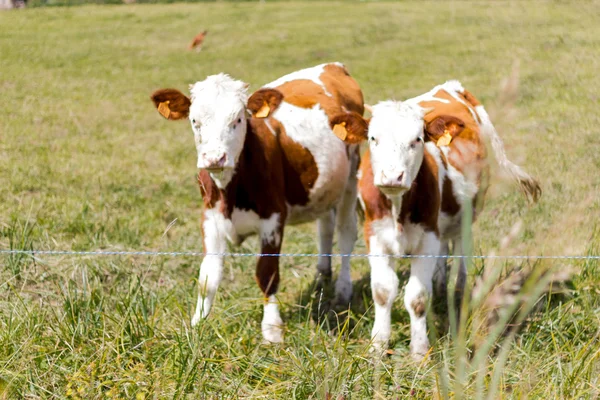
x: 86, y: 163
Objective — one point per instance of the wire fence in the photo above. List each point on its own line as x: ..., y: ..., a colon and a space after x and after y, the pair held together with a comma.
x: 295, y: 255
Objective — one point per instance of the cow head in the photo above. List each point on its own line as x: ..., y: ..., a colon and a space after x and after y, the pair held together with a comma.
x: 395, y: 134
x: 217, y: 113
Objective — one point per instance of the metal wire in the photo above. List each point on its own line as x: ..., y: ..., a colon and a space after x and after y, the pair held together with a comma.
x: 202, y: 254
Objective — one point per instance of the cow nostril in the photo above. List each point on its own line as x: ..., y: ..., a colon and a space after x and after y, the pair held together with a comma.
x: 400, y: 176
x: 222, y: 160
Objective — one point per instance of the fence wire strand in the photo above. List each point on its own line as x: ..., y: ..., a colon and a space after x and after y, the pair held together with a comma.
x: 294, y: 255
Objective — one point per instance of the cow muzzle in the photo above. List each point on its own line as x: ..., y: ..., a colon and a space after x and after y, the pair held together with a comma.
x: 393, y: 183
x: 213, y: 164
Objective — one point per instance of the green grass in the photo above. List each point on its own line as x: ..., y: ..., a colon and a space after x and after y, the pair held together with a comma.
x: 86, y: 163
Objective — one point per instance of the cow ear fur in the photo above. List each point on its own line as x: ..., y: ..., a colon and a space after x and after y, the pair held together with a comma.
x: 171, y: 103
x: 444, y: 124
x: 350, y: 127
x: 264, y: 102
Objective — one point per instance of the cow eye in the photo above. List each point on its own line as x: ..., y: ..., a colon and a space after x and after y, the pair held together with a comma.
x: 372, y: 139
x: 239, y: 121
x: 419, y: 139
x: 194, y: 121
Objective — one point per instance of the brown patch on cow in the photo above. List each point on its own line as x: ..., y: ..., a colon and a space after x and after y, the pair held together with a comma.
x: 208, y: 189
x: 449, y: 204
x: 267, y: 269
x: 343, y: 88
x: 470, y: 98
x: 419, y: 306
x: 305, y: 93
x: 171, y: 103
x: 264, y: 102
x: 298, y: 165
x: 421, y: 204
x: 381, y: 296
x: 343, y: 93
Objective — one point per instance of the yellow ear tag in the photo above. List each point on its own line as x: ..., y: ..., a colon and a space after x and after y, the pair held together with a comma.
x: 164, y: 110
x: 264, y: 111
x: 445, y: 139
x: 340, y: 130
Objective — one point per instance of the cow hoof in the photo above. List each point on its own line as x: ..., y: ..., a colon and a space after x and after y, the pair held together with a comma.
x: 419, y: 355
x: 379, y: 348
x: 343, y: 294
x: 272, y: 334
x: 196, y: 318
x: 342, y: 301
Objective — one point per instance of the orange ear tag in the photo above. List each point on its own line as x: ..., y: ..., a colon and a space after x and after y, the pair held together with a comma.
x: 445, y: 139
x: 264, y: 111
x: 164, y: 110
x: 340, y: 131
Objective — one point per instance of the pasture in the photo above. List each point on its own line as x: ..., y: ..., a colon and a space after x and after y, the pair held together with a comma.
x: 86, y: 163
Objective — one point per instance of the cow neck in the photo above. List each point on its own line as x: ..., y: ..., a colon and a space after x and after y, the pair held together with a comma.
x: 249, y: 183
x: 422, y: 202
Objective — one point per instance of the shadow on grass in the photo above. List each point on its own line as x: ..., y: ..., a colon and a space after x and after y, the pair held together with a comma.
x: 317, y: 302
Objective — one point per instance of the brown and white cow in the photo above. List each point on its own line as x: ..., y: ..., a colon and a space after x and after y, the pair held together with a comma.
x: 426, y: 160
x: 283, y: 165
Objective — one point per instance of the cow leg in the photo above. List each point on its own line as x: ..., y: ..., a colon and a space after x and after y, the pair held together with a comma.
x: 267, y: 277
x: 440, y: 278
x: 325, y: 228
x: 461, y: 277
x: 417, y: 292
x: 211, y: 269
x: 347, y: 232
x: 384, y: 287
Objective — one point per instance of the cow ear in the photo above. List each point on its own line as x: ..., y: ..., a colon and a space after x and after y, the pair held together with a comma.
x: 350, y: 127
x: 444, y: 128
x: 171, y: 103
x: 264, y: 102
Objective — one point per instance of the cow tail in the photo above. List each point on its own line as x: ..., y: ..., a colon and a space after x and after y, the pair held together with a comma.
x: 529, y: 185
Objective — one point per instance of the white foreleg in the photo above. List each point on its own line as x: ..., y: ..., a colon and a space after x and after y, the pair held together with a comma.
x: 384, y: 286
x: 418, y: 291
x: 211, y: 269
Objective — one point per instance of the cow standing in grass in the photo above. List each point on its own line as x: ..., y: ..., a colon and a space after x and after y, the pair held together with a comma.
x: 283, y: 165
x: 426, y: 161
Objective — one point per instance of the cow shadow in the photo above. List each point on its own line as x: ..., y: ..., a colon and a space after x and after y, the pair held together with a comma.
x: 316, y: 301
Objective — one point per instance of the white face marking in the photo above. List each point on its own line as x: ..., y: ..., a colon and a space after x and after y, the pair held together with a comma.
x: 311, y: 74
x: 218, y: 118
x: 396, y: 142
